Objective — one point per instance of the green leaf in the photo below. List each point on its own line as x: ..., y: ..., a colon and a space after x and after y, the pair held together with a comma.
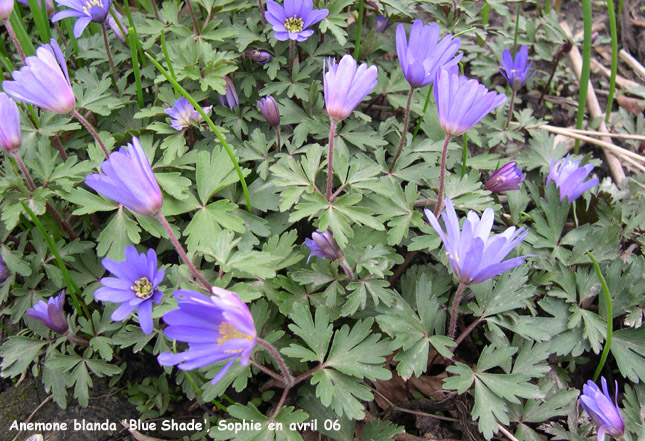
x: 316, y: 335
x: 17, y: 353
x: 341, y: 392
x: 120, y: 232
x: 628, y: 347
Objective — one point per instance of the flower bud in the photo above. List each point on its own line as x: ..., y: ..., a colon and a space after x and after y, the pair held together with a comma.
x: 381, y: 23
x: 505, y: 178
x: 258, y: 57
x: 323, y: 244
x: 51, y: 314
x: 269, y: 109
x: 229, y: 100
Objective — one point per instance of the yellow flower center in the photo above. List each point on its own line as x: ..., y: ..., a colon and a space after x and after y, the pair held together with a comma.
x: 90, y: 4
x: 142, y: 288
x: 228, y: 332
x: 294, y: 24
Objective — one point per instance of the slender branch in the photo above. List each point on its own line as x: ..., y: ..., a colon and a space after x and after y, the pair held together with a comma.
x: 261, y: 6
x: 404, y: 130
x: 442, y: 176
x: 192, y: 15
x: 24, y: 171
x: 347, y: 269
x: 338, y: 191
x: 90, y: 129
x: 330, y: 158
x: 59, y: 147
x: 278, y: 146
x: 267, y: 371
x: 302, y: 377
x: 109, y: 54
x: 453, y: 312
x: 292, y: 55
x: 182, y: 253
x: 510, y: 109
x: 283, y: 398
x: 154, y: 8
x: 288, y: 378
x: 467, y: 332
x: 76, y: 339
x: 12, y: 34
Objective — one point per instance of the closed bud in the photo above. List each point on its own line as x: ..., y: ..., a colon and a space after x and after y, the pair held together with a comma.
x: 269, y: 109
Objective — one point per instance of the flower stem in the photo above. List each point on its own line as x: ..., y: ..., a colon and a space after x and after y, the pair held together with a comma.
x: 442, y: 176
x: 510, y: 109
x: 404, y: 130
x: 261, y: 6
x: 12, y: 34
x: 109, y: 54
x: 278, y: 146
x: 192, y: 15
x: 586, y: 66
x: 330, y: 158
x: 425, y: 108
x: 292, y: 55
x: 182, y: 253
x: 609, y: 313
x: 453, y: 312
x: 59, y: 147
x: 347, y: 269
x: 154, y: 9
x: 286, y: 373
x: 76, y: 339
x: 24, y: 171
x: 90, y: 129
x: 359, y: 28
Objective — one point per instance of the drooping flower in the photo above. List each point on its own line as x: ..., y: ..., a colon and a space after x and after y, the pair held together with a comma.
x: 230, y: 99
x: 269, y: 109
x: 475, y: 255
x: 257, y: 56
x: 381, y: 23
x: 51, y: 314
x: 183, y: 113
x: 135, y: 286
x: 569, y: 176
x: 10, y: 135
x: 515, y: 69
x: 49, y: 5
x: 128, y: 179
x: 604, y: 412
x: 423, y: 55
x: 6, y: 8
x: 86, y: 11
x: 462, y: 103
x: 291, y: 21
x: 345, y: 85
x: 216, y: 328
x: 507, y: 177
x: 112, y: 23
x: 322, y: 244
x: 44, y: 81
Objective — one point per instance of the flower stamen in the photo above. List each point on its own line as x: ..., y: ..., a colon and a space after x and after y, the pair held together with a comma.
x: 294, y: 24
x: 142, y: 288
x: 228, y: 332
x: 90, y: 4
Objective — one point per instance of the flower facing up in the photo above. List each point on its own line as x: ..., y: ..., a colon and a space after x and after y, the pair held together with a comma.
x: 257, y: 56
x: 507, y: 177
x: 423, y: 54
x: 515, y: 69
x: 604, y: 412
x: 475, y: 255
x: 323, y: 244
x: 183, y: 113
x: 51, y: 314
x: 44, y: 81
x: 230, y: 99
x: 10, y: 136
x: 6, y: 8
x: 381, y: 23
x: 462, y: 103
x: 216, y: 328
x: 569, y: 176
x: 269, y: 109
x: 128, y: 179
x: 291, y: 21
x: 112, y: 23
x: 135, y: 286
x: 85, y: 10
x: 345, y: 85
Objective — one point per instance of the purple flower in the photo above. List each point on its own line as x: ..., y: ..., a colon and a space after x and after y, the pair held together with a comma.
x: 183, y: 114
x: 515, y: 69
x: 216, y: 328
x: 475, y: 255
x: 135, y: 286
x: 462, y: 103
x: 569, y: 176
x: 128, y: 179
x: 423, y: 55
x: 291, y: 21
x: 85, y: 10
x: 112, y: 23
x: 600, y: 407
x: 345, y: 86
x: 323, y: 244
x: 44, y: 81
x: 381, y: 23
x: 258, y: 57
x: 10, y: 135
x: 49, y: 4
x: 269, y: 109
x: 51, y: 314
x: 4, y: 271
x: 230, y: 99
x: 507, y: 177
x: 6, y: 8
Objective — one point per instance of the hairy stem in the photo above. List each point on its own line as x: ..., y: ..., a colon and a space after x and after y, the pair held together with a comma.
x: 59, y: 147
x: 330, y: 158
x: 404, y: 130
x: 453, y: 311
x: 192, y: 16
x: 182, y: 253
x: 292, y: 55
x: 348, y: 269
x: 90, y: 129
x: 109, y: 54
x: 16, y: 43
x: 510, y: 109
x: 261, y: 6
x: 278, y: 146
x: 286, y: 373
x: 442, y: 176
